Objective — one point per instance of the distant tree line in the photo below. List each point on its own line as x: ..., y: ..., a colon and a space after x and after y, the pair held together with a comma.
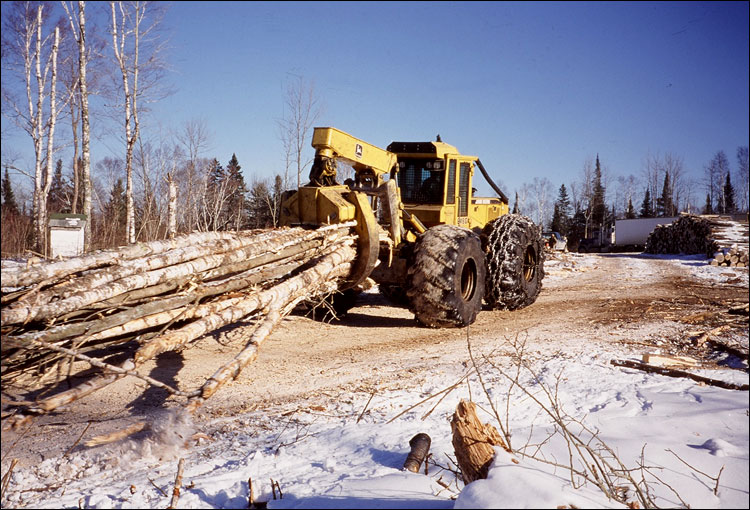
x: 588, y: 206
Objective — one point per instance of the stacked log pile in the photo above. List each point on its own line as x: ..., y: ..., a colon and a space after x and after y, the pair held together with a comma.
x: 714, y: 236
x: 688, y: 234
x: 733, y: 257
x: 142, y: 300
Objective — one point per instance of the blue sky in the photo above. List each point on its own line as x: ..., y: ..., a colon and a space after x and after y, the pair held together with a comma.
x: 532, y: 88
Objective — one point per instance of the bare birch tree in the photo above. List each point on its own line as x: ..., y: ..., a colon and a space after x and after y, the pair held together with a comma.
x: 172, y: 206
x: 137, y: 50
x: 714, y: 174
x: 626, y: 188
x: 673, y: 165
x: 743, y: 179
x: 32, y: 55
x: 587, y: 193
x: 542, y: 193
x: 78, y: 29
x: 193, y: 139
x: 301, y: 110
x: 652, y: 174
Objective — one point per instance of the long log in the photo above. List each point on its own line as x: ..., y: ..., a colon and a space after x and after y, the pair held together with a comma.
x: 40, y: 307
x: 13, y: 277
x: 235, y: 311
x: 326, y: 271
x: 266, y: 283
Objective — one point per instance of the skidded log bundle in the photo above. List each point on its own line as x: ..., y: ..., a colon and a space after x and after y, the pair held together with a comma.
x: 149, y: 298
x: 707, y: 235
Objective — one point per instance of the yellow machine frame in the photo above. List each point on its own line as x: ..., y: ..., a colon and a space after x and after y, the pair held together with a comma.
x: 325, y: 201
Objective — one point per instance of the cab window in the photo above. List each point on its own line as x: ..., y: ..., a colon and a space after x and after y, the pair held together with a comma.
x: 421, y: 181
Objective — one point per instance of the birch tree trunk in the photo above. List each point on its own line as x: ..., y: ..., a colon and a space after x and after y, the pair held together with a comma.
x: 119, y: 37
x: 50, y: 140
x: 85, y: 128
x: 40, y: 201
x: 172, y: 207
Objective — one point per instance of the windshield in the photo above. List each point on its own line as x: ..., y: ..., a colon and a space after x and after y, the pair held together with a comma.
x: 421, y: 182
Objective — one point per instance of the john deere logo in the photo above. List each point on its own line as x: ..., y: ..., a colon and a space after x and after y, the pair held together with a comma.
x: 358, y: 151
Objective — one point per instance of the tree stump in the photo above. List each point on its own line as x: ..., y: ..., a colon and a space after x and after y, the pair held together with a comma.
x: 473, y: 442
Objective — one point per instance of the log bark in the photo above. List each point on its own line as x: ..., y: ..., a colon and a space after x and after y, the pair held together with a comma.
x: 473, y: 442
x: 325, y: 272
x: 12, y: 277
x: 41, y: 307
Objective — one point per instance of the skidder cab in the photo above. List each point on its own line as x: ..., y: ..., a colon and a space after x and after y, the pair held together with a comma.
x: 422, y: 235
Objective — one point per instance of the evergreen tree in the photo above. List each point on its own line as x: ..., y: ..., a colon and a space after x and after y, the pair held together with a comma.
x: 646, y: 210
x: 598, y: 207
x: 216, y: 197
x: 260, y: 214
x: 708, y: 209
x: 237, y: 195
x: 664, y: 206
x: 729, y: 204
x: 9, y: 205
x: 115, y: 215
x: 561, y: 216
x: 556, y: 223
x: 515, y: 205
x: 216, y: 176
x: 57, y: 197
x: 630, y: 212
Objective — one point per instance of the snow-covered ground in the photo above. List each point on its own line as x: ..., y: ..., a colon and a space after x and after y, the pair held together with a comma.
x: 683, y: 443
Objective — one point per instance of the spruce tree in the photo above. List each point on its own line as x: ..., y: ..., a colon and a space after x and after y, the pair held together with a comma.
x: 708, y: 209
x: 729, y: 205
x: 515, y: 206
x: 56, y: 199
x: 237, y: 191
x: 630, y: 212
x: 664, y: 205
x: 9, y: 205
x: 561, y: 217
x: 260, y: 214
x: 598, y: 207
x: 556, y: 224
x: 646, y: 210
x: 115, y: 214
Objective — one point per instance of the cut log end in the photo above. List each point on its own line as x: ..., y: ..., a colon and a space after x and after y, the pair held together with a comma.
x: 473, y: 442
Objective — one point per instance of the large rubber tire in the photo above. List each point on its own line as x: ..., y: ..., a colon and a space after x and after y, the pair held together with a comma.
x: 445, y: 283
x: 515, y: 262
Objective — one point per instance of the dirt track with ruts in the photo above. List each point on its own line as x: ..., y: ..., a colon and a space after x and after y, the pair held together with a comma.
x: 624, y: 302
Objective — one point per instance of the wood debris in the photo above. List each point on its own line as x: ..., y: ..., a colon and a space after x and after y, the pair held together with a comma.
x: 473, y: 442
x: 668, y: 360
x: 673, y: 372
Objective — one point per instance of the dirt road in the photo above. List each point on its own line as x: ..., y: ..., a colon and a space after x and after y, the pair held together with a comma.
x: 628, y: 302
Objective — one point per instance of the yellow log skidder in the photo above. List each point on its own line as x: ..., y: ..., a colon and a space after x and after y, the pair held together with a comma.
x: 422, y: 234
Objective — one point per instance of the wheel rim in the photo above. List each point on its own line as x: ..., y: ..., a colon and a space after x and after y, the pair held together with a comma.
x: 529, y: 263
x: 468, y: 280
